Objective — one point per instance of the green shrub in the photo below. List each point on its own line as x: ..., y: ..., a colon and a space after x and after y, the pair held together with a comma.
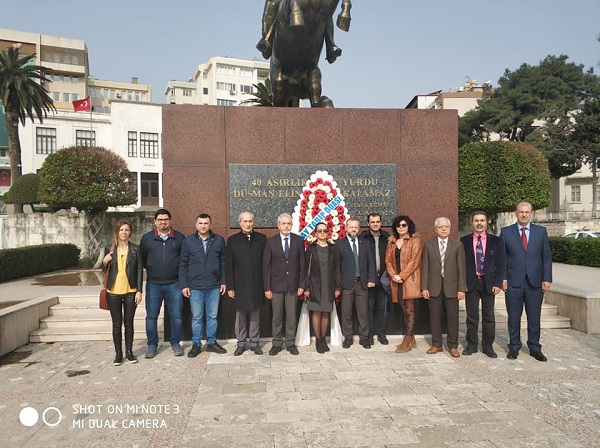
x: 33, y: 260
x: 24, y: 191
x: 582, y: 251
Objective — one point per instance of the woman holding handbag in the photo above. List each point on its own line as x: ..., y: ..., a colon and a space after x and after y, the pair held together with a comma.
x: 324, y: 283
x: 403, y: 265
x: 122, y: 263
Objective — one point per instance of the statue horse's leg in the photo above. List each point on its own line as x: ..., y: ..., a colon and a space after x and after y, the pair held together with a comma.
x: 314, y: 90
x: 343, y: 20
x: 278, y: 86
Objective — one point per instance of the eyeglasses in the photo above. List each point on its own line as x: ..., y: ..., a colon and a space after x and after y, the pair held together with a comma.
x: 322, y: 230
x: 402, y: 225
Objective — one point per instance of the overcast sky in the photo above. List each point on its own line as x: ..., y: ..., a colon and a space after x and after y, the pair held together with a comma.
x: 395, y: 49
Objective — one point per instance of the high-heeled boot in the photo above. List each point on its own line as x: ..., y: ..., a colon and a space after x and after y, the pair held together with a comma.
x: 324, y: 344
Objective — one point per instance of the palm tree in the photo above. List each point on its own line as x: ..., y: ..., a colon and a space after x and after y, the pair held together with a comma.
x: 263, y: 95
x: 23, y: 96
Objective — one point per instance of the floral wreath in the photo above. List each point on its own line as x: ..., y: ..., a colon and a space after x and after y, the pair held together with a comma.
x: 318, y: 192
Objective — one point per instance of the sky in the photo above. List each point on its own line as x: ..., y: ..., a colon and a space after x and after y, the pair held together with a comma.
x: 395, y: 49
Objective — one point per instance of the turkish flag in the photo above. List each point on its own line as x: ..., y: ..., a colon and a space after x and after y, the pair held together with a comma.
x: 81, y: 105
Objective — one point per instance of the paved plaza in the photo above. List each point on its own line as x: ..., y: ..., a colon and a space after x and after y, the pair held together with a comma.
x: 345, y: 398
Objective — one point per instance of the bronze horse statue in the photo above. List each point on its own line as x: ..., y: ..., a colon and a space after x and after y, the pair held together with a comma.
x: 294, y: 32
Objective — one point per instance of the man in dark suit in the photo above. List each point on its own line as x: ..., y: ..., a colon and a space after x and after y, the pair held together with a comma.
x: 284, y: 279
x: 357, y: 268
x: 443, y: 283
x: 485, y: 272
x: 243, y: 276
x: 528, y: 275
x: 378, y: 298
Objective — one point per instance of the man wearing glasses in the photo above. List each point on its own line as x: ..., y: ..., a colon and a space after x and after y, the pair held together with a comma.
x: 160, y: 250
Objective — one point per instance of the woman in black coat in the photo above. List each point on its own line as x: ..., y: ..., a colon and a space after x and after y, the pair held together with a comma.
x: 324, y: 283
x: 124, y: 288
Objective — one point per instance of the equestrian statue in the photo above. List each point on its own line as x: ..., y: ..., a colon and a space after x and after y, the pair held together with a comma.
x: 293, y: 33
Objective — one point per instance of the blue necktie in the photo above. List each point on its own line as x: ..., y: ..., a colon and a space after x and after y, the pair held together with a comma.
x: 479, y: 255
x: 286, y: 248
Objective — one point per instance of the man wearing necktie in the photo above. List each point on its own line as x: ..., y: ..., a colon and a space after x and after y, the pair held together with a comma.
x: 284, y: 279
x: 357, y: 268
x: 527, y: 276
x: 443, y: 283
x: 485, y: 272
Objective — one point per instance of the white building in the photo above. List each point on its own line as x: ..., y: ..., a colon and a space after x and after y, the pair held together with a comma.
x: 222, y: 81
x: 132, y: 130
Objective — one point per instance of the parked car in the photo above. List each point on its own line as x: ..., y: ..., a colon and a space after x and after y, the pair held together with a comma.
x: 582, y: 234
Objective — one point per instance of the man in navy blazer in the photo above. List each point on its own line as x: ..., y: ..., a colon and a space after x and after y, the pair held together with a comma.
x: 528, y: 275
x: 358, y: 274
x: 284, y: 279
x: 484, y: 254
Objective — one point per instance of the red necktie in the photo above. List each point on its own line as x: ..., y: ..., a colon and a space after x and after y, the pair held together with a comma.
x: 524, y: 237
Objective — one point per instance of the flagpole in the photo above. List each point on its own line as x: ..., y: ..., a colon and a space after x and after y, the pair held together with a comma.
x: 91, y: 130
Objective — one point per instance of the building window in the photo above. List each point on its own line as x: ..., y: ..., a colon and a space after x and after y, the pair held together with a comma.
x: 55, y: 78
x: 132, y: 144
x: 55, y: 96
x: 149, y: 145
x: 575, y: 193
x: 226, y: 86
x: 205, y: 90
x: 187, y: 92
x: 245, y: 88
x: 245, y: 73
x: 172, y: 91
x: 74, y: 96
x: 225, y: 70
x: 225, y: 102
x: 45, y: 140
x: 85, y: 138
x: 598, y: 194
x: 3, y: 153
x: 75, y: 79
x: 66, y: 97
x: 66, y: 78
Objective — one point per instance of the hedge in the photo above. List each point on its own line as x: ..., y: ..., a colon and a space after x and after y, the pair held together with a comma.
x: 33, y: 260
x: 580, y: 251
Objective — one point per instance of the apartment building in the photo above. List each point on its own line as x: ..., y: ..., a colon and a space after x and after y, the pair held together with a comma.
x: 222, y: 81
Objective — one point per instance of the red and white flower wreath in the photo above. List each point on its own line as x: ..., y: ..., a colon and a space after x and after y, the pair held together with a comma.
x: 319, y: 191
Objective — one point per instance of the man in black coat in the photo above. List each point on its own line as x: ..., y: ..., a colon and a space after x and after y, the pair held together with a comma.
x: 357, y: 266
x: 485, y: 260
x: 243, y: 274
x: 284, y: 279
x: 378, y: 298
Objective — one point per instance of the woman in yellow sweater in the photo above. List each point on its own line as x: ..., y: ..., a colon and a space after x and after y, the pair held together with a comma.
x: 123, y: 259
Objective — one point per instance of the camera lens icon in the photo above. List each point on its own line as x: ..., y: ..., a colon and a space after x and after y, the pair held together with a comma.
x: 51, y: 416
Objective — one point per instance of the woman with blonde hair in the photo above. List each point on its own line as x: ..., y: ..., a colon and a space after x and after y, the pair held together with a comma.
x: 123, y: 260
x: 403, y: 265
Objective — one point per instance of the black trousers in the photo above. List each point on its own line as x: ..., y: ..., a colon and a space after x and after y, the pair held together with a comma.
x: 488, y: 322
x: 122, y: 310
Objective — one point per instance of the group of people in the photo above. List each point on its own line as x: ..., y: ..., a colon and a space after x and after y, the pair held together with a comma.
x: 355, y: 271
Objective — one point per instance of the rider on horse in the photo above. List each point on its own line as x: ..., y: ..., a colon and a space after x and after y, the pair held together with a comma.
x: 297, y: 19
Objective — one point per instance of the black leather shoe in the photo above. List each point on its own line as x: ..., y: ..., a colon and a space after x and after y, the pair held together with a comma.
x: 274, y: 350
x: 347, y: 343
x: 512, y: 354
x: 195, y: 351
x: 215, y: 348
x: 490, y: 353
x: 539, y: 356
x: 292, y: 349
x: 257, y: 350
x: 365, y: 343
x: 371, y: 340
x: 382, y: 340
x: 469, y: 351
x: 239, y: 350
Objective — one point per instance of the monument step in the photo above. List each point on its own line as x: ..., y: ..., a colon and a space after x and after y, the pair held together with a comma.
x: 547, y: 321
x: 547, y: 310
x: 78, y: 318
